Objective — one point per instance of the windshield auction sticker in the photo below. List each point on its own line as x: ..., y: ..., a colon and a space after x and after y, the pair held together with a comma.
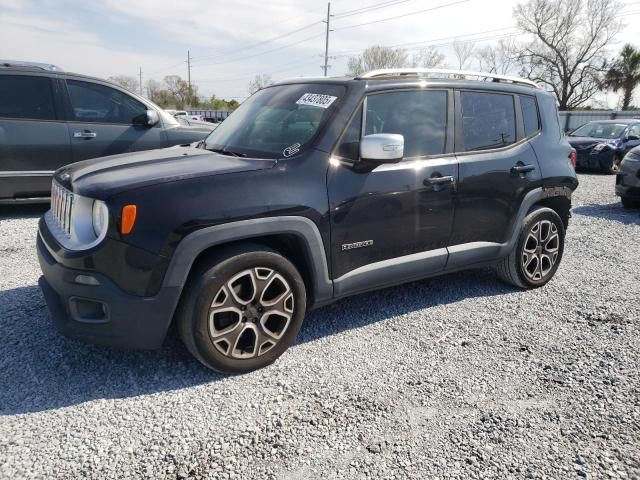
x: 316, y: 100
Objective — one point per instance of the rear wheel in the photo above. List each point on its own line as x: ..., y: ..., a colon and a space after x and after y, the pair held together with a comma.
x: 630, y: 203
x: 536, y: 255
x: 242, y: 310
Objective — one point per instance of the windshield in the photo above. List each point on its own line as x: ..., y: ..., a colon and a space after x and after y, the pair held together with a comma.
x: 277, y: 121
x: 599, y: 130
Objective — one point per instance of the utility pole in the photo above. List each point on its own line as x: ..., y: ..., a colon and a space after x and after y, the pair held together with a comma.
x: 189, y: 70
x: 326, y: 44
x: 140, y: 80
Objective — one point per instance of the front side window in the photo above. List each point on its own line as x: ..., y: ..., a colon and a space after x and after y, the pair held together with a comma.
x: 23, y: 96
x: 276, y: 122
x: 420, y: 116
x: 92, y: 102
x: 529, y: 115
x: 634, y: 131
x: 350, y: 143
x: 488, y: 120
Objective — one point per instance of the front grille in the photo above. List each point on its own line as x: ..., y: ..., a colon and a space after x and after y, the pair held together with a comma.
x: 62, y: 206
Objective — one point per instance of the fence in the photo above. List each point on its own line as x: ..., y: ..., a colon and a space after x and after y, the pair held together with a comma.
x: 211, y: 115
x: 570, y: 120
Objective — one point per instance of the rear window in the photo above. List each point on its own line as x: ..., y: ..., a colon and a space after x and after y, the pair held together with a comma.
x: 23, y: 96
x: 530, y: 115
x: 488, y: 120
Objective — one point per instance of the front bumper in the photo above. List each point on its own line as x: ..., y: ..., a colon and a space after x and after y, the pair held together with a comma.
x: 628, y: 180
x: 595, y: 160
x: 102, y: 313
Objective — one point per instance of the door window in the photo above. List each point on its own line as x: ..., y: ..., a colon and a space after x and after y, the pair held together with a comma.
x: 23, y: 96
x: 97, y: 103
x: 488, y: 120
x: 420, y: 116
x: 635, y: 130
x: 529, y: 115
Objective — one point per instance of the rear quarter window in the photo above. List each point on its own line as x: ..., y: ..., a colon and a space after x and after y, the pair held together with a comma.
x: 530, y: 115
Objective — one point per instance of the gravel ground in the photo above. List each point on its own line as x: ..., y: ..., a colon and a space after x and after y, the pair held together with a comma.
x: 453, y: 377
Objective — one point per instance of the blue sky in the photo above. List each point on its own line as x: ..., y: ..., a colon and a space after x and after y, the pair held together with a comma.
x: 117, y: 37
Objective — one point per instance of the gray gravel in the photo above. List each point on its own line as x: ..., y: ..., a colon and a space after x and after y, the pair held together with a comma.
x: 454, y: 377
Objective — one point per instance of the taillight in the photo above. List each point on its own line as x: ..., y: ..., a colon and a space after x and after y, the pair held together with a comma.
x: 573, y: 158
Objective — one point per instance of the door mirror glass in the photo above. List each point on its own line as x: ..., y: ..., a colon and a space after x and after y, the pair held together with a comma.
x: 382, y: 148
x: 152, y: 118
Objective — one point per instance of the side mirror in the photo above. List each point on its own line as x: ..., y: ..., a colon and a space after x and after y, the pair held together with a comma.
x: 382, y: 148
x: 152, y: 118
x: 633, y: 137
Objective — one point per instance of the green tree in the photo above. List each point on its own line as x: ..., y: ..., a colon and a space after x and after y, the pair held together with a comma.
x: 624, y: 74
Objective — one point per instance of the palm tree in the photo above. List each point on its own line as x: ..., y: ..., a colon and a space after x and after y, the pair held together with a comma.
x: 624, y: 74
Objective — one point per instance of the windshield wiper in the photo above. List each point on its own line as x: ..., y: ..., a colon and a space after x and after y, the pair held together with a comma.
x: 227, y: 152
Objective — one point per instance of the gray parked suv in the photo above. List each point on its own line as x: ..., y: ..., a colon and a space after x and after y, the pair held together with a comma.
x: 50, y: 118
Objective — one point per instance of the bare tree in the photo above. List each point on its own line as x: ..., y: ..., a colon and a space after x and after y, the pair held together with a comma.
x: 464, y: 53
x: 377, y: 57
x: 500, y: 58
x: 153, y: 87
x: 569, y: 48
x: 130, y: 83
x: 259, y: 82
x: 428, y: 57
x: 179, y: 90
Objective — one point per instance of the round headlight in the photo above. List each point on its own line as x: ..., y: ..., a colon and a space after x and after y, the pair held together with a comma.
x: 100, y: 218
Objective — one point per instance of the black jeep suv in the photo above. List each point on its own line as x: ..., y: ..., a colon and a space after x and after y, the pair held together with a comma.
x: 311, y: 191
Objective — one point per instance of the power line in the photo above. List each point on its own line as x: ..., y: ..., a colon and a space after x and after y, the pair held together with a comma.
x: 405, y: 15
x: 264, y: 52
x: 263, y: 42
x: 376, y: 6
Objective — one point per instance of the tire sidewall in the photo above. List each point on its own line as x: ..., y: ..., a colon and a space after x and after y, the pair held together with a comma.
x: 211, y: 282
x: 530, y: 220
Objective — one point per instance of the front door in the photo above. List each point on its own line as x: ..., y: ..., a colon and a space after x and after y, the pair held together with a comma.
x: 396, y: 212
x: 106, y: 121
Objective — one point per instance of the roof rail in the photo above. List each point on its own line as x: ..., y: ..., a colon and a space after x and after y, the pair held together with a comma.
x: 443, y: 73
x: 19, y: 64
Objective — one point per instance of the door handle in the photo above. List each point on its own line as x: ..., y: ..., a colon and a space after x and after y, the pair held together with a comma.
x: 438, y: 180
x: 521, y: 168
x: 85, y: 134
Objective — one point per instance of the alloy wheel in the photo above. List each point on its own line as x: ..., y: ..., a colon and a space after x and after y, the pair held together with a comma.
x: 540, y: 250
x: 250, y: 313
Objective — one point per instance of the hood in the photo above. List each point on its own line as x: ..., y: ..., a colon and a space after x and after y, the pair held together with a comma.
x: 102, y: 177
x: 586, y: 143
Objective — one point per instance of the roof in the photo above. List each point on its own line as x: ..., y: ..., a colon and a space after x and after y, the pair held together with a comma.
x: 617, y: 120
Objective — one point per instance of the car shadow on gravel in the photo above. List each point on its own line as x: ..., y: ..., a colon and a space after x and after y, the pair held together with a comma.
x: 23, y: 211
x: 610, y: 211
x: 42, y: 370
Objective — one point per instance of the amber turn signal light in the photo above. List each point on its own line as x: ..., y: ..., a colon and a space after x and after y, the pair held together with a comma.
x: 128, y: 219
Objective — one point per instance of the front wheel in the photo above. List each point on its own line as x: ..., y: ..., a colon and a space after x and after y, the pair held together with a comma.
x: 536, y: 255
x: 242, y: 309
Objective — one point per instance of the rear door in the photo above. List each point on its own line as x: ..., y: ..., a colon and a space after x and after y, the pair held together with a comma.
x: 106, y: 121
x: 33, y: 137
x: 497, y: 164
x: 395, y: 210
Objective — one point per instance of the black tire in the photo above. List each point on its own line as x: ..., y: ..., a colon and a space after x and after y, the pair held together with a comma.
x: 512, y: 270
x: 210, y: 282
x: 630, y: 203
